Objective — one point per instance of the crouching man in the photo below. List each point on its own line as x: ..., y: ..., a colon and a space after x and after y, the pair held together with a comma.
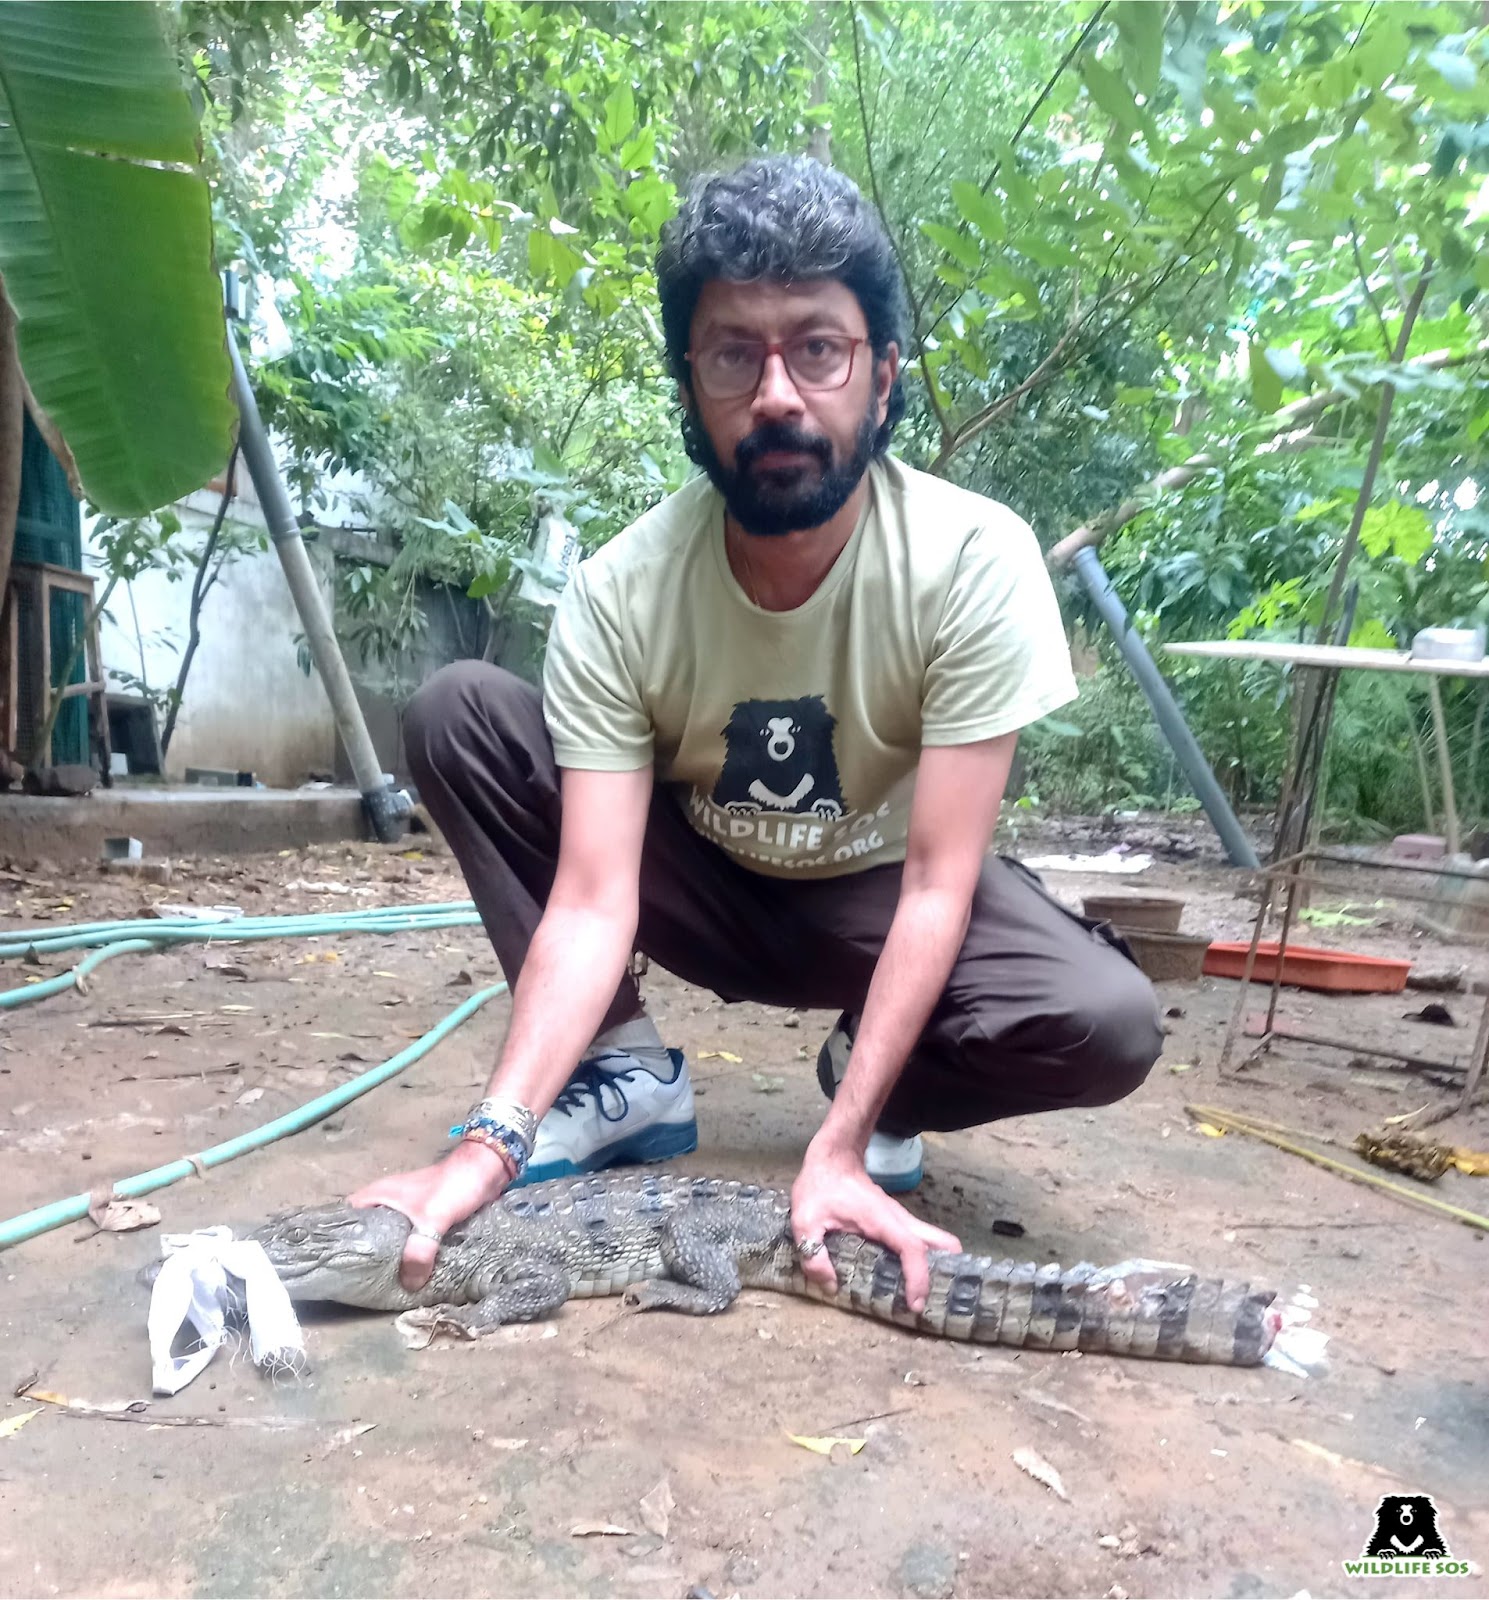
x: 777, y: 719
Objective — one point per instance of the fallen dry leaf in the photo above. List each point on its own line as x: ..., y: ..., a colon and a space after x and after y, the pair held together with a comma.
x: 120, y: 1216
x: 16, y: 1423
x: 1038, y: 1397
x: 127, y: 1216
x: 249, y: 1096
x: 235, y: 1008
x: 507, y: 1444
x: 1210, y: 1130
x: 379, y: 974
x: 720, y: 1055
x: 1473, y: 1162
x: 1040, y: 1470
x: 346, y: 1435
x: 823, y: 1445
x: 657, y: 1508
x: 588, y: 1530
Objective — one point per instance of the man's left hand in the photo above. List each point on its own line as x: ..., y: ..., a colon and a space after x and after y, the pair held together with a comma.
x: 833, y: 1192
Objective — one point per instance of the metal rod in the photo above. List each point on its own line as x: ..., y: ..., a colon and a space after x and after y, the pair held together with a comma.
x: 1476, y: 1061
x: 1417, y: 1063
x: 1287, y: 922
x: 1233, y: 1032
x: 1444, y: 767
x: 382, y: 803
x: 1344, y: 859
x: 1165, y: 708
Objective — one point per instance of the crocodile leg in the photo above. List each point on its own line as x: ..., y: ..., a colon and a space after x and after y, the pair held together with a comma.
x: 703, y: 1279
x: 527, y: 1291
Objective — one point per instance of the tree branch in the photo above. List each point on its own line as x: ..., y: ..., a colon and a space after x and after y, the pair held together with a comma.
x: 984, y: 419
x: 574, y: 417
x: 1354, y: 240
x: 1023, y: 127
x: 1373, y: 461
x: 915, y: 307
x: 1284, y: 421
x: 201, y: 585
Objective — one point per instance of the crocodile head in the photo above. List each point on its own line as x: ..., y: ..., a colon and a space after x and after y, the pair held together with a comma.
x: 338, y: 1252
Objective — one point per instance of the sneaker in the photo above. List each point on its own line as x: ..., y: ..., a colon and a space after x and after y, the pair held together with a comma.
x: 617, y: 1110
x: 896, y: 1165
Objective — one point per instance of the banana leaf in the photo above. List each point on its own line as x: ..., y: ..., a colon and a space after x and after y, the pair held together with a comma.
x: 106, y: 249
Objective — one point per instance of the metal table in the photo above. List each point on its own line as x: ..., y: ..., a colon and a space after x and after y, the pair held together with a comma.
x: 1294, y: 869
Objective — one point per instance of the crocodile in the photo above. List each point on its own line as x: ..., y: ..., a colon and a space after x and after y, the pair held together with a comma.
x: 687, y: 1244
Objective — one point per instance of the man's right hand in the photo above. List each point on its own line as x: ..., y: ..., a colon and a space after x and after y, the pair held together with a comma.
x: 435, y: 1198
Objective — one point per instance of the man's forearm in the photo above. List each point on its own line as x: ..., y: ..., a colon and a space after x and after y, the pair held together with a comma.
x: 919, y: 952
x: 574, y: 964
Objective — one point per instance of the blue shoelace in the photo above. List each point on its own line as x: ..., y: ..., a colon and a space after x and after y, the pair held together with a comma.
x: 590, y: 1079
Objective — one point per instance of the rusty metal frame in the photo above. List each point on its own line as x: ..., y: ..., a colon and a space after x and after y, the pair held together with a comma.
x: 1291, y: 869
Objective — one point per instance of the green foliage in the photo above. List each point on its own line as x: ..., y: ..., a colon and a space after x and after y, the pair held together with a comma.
x: 105, y: 247
x: 1132, y: 233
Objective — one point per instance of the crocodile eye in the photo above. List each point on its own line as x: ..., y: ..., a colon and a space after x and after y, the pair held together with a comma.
x: 298, y: 1235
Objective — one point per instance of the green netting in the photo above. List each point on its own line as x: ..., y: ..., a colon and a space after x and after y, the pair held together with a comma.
x: 70, y: 735
x: 48, y: 524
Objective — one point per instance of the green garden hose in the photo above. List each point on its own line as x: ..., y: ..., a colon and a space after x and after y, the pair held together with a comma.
x: 31, y: 1223
x: 121, y: 938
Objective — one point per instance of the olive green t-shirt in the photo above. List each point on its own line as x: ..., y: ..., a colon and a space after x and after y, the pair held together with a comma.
x: 791, y: 738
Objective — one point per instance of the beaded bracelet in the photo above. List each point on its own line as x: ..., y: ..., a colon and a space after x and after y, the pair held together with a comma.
x: 491, y: 1123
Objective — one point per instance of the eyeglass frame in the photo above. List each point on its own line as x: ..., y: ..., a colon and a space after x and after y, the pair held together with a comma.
x: 769, y: 348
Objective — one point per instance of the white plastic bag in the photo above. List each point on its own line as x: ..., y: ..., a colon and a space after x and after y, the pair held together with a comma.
x: 212, y: 1281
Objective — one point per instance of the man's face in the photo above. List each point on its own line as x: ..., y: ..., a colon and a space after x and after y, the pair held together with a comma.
x: 785, y: 457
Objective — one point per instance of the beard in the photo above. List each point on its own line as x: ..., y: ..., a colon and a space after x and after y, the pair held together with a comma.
x: 772, y: 503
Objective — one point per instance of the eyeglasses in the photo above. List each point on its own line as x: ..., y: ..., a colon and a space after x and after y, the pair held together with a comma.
x: 814, y: 361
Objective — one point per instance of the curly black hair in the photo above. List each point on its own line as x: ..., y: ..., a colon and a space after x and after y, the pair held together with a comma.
x: 785, y: 219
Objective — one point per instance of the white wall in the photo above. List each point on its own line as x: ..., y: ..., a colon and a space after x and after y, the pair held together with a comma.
x: 247, y: 703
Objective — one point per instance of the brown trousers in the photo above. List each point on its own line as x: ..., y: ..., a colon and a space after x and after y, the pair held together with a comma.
x: 1042, y: 1010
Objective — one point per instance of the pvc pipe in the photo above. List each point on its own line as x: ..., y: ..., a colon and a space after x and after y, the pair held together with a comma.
x: 384, y: 919
x: 73, y: 979
x: 1165, y: 708
x: 243, y: 928
x: 378, y: 799
x: 60, y: 1212
x: 10, y: 998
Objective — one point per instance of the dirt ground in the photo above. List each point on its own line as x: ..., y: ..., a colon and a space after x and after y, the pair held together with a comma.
x: 463, y: 1470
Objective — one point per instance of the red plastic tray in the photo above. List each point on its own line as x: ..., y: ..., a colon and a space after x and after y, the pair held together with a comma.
x: 1305, y: 967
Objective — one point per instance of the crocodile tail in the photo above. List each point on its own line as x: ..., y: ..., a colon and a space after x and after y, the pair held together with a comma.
x: 1139, y: 1308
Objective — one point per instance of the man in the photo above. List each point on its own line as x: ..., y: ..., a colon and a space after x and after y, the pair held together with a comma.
x: 777, y: 721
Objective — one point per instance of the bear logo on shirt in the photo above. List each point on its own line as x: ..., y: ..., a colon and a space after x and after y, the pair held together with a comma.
x: 778, y: 757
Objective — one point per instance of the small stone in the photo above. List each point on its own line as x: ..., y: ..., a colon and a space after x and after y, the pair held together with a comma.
x: 1108, y: 1541
x: 928, y: 1572
x: 71, y: 780
x: 740, y: 1571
